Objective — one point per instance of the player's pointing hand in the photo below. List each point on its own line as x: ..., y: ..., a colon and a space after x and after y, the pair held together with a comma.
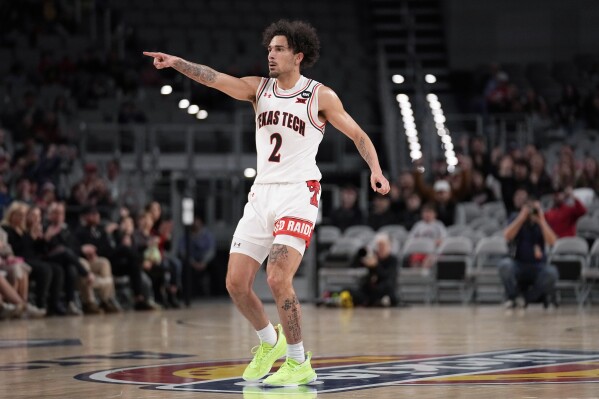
x: 161, y: 60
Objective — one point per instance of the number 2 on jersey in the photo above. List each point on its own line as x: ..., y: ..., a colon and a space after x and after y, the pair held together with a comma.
x: 275, y: 156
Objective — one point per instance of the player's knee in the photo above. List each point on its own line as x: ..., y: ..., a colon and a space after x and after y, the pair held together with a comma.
x: 278, y: 282
x: 236, y: 286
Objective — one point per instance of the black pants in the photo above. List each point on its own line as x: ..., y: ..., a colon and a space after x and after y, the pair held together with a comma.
x: 126, y: 262
x: 48, y: 279
x: 72, y: 269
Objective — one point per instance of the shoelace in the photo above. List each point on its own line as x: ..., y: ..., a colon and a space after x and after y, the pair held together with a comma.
x: 259, y: 351
x: 288, y: 367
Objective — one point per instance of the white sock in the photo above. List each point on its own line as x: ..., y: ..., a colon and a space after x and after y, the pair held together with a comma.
x: 296, y: 352
x: 268, y: 334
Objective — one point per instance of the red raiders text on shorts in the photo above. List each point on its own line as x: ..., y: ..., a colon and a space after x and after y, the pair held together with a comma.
x: 295, y: 227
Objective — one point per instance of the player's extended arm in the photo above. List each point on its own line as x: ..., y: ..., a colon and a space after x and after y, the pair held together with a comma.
x: 239, y: 88
x: 331, y: 107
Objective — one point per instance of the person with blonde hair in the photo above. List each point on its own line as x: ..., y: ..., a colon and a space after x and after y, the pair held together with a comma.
x: 48, y: 276
x: 17, y: 275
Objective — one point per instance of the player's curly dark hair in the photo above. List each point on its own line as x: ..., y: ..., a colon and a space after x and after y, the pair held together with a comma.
x: 301, y: 37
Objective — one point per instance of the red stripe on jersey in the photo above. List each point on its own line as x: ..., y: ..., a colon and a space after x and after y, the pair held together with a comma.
x: 315, y: 121
x: 261, y: 88
x: 295, y: 227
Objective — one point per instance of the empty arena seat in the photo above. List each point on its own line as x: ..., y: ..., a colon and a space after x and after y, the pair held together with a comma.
x: 453, y: 268
x: 570, y: 256
x: 487, y: 283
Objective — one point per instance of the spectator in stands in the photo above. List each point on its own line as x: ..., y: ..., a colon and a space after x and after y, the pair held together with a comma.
x: 479, y: 155
x: 349, y: 213
x: 480, y: 193
x: 115, y: 182
x: 411, y: 215
x: 11, y: 304
x: 440, y: 194
x: 526, y: 276
x: 96, y: 241
x: 428, y: 227
x: 59, y: 256
x: 540, y: 182
x: 444, y: 203
x: 17, y: 274
x: 171, y: 262
x: 379, y: 286
x: 154, y: 211
x: 589, y: 175
x: 564, y: 213
x: 48, y: 276
x: 76, y: 202
x: 511, y: 176
x: 202, y: 249
x: 381, y: 214
x: 95, y: 275
x: 146, y: 243
x: 497, y: 93
x: 25, y: 192
x: 407, y: 184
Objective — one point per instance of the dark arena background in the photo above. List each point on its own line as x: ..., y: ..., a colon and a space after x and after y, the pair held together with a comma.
x: 121, y: 186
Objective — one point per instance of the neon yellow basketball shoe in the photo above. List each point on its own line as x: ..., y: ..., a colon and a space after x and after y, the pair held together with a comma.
x: 292, y: 374
x: 265, y: 356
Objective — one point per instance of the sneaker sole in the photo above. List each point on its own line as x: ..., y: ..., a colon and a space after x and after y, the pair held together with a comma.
x: 265, y: 374
x: 305, y: 381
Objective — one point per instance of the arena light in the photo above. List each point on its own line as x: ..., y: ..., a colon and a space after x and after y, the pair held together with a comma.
x: 415, y: 155
x: 412, y: 139
x: 166, y: 90
x: 193, y: 109
x: 184, y: 103
x: 406, y: 111
x: 202, y: 114
x: 397, y: 79
x: 432, y: 97
x: 249, y: 173
x: 449, y: 145
x: 446, y: 139
x: 415, y: 146
x: 430, y: 78
x: 402, y: 98
x: 439, y: 118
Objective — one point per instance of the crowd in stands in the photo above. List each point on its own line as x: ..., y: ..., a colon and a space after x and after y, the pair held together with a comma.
x: 482, y: 177
x: 564, y: 96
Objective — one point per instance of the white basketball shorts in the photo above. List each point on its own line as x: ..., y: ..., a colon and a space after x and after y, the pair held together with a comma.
x: 277, y: 213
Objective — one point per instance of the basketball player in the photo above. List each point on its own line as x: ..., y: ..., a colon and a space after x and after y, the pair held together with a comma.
x: 278, y: 220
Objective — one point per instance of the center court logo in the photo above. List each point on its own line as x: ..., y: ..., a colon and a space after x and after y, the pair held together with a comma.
x: 336, y: 374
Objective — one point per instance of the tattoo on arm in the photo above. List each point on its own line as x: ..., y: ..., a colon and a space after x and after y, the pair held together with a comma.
x: 278, y: 253
x: 363, y: 149
x: 199, y: 73
x: 292, y: 307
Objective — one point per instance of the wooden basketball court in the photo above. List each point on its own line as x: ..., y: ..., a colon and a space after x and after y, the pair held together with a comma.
x: 413, y: 352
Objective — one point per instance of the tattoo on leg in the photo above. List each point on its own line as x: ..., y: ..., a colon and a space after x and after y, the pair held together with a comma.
x: 278, y: 253
x: 291, y: 305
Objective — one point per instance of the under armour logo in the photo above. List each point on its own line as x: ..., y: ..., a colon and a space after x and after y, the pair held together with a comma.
x: 301, y: 100
x: 236, y: 244
x: 267, y: 95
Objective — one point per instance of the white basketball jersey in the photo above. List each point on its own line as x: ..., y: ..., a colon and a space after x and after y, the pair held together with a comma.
x: 288, y: 132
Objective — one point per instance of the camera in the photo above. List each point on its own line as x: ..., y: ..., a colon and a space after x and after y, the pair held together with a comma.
x: 533, y: 211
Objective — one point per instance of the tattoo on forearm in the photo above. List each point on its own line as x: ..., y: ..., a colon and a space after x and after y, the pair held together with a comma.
x: 278, y: 253
x: 363, y: 149
x: 200, y: 73
x: 292, y: 307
